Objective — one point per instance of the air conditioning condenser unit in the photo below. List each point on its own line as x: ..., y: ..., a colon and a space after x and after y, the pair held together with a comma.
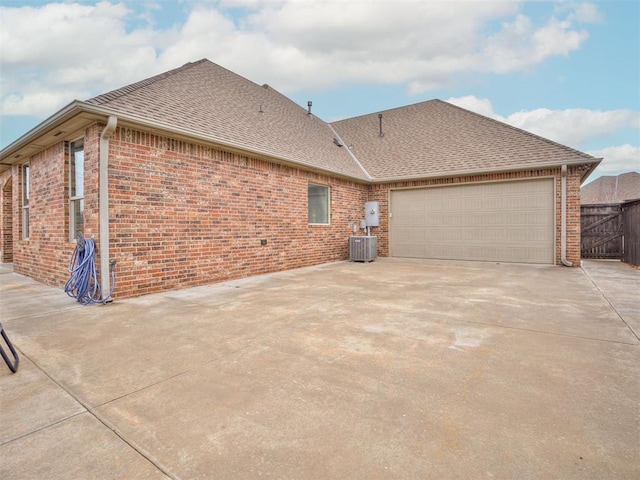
x: 363, y: 248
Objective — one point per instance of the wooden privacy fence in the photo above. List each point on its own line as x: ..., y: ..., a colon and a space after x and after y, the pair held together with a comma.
x: 601, y: 227
x: 631, y: 226
x: 611, y: 231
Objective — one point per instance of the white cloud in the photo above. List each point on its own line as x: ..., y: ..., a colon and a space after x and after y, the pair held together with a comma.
x: 72, y: 50
x: 362, y: 41
x: 617, y: 160
x: 50, y: 34
x: 574, y: 126
x: 520, y: 45
x: 34, y: 101
x: 570, y: 126
x: 582, y: 12
x: 483, y: 106
x: 59, y: 52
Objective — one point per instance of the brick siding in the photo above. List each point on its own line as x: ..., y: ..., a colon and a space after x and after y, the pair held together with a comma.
x: 6, y: 217
x: 184, y: 214
x: 45, y: 254
x: 573, y: 215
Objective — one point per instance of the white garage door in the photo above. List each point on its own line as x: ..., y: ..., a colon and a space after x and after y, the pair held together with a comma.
x: 503, y: 221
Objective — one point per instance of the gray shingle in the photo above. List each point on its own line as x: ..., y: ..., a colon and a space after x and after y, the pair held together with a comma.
x: 611, y: 189
x: 426, y: 139
x: 211, y: 101
x: 436, y: 138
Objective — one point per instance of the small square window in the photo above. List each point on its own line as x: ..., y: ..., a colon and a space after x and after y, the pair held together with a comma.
x: 318, y: 198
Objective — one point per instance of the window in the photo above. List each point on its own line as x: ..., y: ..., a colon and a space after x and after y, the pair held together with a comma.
x: 76, y: 188
x: 25, y: 202
x: 318, y: 196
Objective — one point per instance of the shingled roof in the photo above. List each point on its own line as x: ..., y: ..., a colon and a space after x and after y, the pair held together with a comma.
x: 611, y: 189
x: 204, y: 101
x: 208, y: 100
x: 436, y: 138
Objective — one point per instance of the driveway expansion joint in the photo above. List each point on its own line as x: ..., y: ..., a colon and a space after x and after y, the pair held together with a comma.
x: 90, y: 411
x: 611, y: 305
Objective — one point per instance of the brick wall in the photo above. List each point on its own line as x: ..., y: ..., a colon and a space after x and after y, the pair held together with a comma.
x: 183, y: 214
x: 6, y: 217
x: 45, y: 254
x: 380, y: 193
x: 573, y: 215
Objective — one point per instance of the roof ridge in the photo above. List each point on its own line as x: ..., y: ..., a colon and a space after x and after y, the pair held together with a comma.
x: 565, y: 147
x: 119, y: 92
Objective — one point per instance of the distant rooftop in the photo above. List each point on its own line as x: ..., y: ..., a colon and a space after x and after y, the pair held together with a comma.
x: 611, y: 189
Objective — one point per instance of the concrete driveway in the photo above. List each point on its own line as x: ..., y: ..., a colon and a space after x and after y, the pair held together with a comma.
x: 391, y: 369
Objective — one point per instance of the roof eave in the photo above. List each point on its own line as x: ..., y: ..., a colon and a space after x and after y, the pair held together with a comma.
x: 592, y: 164
x: 587, y: 172
x: 45, y: 134
x: 159, y: 127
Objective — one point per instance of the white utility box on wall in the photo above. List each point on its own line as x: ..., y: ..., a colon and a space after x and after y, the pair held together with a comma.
x: 371, y: 215
x: 363, y: 248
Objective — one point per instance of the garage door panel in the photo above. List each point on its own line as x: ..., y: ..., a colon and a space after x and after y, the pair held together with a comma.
x: 414, y: 250
x: 416, y: 235
x: 508, y: 221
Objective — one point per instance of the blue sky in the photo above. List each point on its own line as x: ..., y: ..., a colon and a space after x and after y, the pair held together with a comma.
x: 568, y: 70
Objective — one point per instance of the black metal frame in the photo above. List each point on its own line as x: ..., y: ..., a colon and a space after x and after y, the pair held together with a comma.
x: 13, y: 366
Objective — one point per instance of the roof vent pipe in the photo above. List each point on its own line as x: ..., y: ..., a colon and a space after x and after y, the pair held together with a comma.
x: 309, y: 104
x: 381, y: 134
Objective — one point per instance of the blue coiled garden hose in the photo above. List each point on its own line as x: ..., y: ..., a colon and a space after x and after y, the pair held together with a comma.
x: 83, y: 281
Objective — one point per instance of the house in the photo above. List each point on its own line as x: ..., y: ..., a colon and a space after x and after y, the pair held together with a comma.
x: 199, y: 175
x: 610, y: 189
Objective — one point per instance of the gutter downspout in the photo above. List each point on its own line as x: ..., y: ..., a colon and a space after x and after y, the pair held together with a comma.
x: 105, y: 276
x: 563, y: 219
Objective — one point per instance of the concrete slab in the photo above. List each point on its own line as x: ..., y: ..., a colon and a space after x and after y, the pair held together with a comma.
x: 102, y: 353
x: 282, y: 409
x: 391, y: 369
x: 80, y: 447
x: 22, y: 297
x: 31, y: 401
x: 620, y: 284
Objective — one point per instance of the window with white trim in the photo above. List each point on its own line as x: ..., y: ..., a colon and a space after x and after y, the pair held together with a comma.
x: 318, y: 204
x: 76, y: 188
x: 25, y: 201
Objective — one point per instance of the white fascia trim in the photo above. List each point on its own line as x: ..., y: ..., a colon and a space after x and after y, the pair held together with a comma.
x: 463, y: 173
x: 57, y: 118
